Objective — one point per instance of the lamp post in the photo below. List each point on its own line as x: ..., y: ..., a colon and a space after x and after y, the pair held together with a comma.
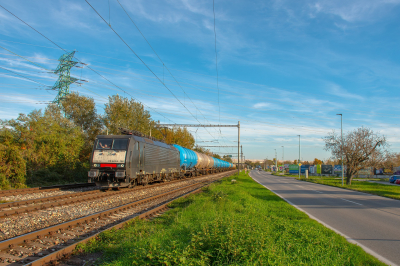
x: 299, y: 158
x: 341, y: 135
x: 276, y: 161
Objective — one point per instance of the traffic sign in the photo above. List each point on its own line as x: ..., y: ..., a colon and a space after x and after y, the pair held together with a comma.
x: 299, y: 164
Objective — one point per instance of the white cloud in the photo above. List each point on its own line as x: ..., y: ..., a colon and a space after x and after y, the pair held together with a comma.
x: 340, y: 92
x: 355, y: 11
x: 261, y: 105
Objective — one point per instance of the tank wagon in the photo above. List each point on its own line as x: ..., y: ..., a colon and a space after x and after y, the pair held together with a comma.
x: 134, y: 159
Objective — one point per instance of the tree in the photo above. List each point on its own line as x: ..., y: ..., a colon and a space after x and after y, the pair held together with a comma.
x: 317, y: 161
x: 121, y: 112
x: 179, y: 136
x: 203, y: 150
x: 217, y: 156
x: 82, y: 111
x: 361, y: 148
x: 12, y: 163
x: 47, y: 143
x: 227, y: 158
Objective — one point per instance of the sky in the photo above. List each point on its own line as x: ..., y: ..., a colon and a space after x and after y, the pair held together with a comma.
x: 281, y: 68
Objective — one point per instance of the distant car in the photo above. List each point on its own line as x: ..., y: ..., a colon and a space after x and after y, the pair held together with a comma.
x: 259, y: 169
x: 397, y: 181
x: 393, y: 178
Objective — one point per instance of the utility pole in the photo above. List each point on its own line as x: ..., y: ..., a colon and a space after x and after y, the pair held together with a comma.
x: 299, y: 158
x: 241, y: 154
x: 341, y: 134
x: 283, y: 162
x: 276, y: 162
x: 238, y: 147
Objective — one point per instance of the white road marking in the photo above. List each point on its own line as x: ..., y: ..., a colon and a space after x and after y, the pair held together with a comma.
x: 318, y: 191
x: 351, y: 201
x: 368, y: 250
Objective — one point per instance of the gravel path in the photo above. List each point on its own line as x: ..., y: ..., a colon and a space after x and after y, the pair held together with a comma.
x: 44, y: 194
x: 28, y: 222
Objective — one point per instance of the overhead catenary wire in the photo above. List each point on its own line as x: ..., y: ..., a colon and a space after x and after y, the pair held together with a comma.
x: 164, y: 66
x: 216, y: 60
x: 144, y: 63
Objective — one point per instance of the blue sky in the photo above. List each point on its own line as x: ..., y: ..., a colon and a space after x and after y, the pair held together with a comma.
x: 286, y: 68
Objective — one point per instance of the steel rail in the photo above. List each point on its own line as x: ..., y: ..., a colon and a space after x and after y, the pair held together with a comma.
x: 45, y: 234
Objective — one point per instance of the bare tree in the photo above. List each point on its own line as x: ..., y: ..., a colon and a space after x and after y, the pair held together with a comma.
x: 361, y: 148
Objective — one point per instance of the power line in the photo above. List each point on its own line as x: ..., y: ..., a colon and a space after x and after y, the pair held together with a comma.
x: 24, y: 76
x: 260, y: 111
x: 79, y: 60
x: 251, y: 83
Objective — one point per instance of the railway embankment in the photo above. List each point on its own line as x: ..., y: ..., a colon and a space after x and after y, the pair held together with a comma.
x: 230, y: 223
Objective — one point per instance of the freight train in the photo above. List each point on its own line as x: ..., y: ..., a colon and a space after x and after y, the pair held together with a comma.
x: 134, y: 159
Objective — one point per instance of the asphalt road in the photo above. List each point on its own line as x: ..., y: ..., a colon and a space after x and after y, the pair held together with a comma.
x: 370, y: 221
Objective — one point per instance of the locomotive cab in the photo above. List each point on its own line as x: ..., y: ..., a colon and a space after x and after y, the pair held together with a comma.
x: 108, y: 162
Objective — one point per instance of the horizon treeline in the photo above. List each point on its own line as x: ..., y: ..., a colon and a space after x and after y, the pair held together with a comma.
x: 54, y: 145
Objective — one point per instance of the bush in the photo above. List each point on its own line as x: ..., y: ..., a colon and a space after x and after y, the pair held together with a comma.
x: 4, y: 182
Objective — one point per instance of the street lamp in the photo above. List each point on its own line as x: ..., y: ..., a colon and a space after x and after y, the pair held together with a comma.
x: 283, y: 162
x: 341, y: 134
x: 299, y: 158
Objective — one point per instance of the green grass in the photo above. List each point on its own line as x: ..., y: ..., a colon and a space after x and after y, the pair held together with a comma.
x: 363, y: 186
x: 228, y: 224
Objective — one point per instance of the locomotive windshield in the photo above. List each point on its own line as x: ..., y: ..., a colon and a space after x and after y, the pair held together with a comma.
x: 114, y: 144
x: 110, y: 151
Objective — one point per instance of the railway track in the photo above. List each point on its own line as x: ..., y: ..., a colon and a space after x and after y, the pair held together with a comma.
x: 22, y: 191
x: 25, y: 206
x: 52, y: 243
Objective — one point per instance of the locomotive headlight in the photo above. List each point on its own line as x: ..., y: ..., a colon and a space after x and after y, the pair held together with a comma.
x: 95, y: 165
x: 121, y: 165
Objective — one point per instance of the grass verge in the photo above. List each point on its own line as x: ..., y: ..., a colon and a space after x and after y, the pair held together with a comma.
x: 238, y: 223
x: 362, y: 186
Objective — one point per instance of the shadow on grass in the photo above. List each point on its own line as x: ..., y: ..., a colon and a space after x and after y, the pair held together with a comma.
x: 266, y: 197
